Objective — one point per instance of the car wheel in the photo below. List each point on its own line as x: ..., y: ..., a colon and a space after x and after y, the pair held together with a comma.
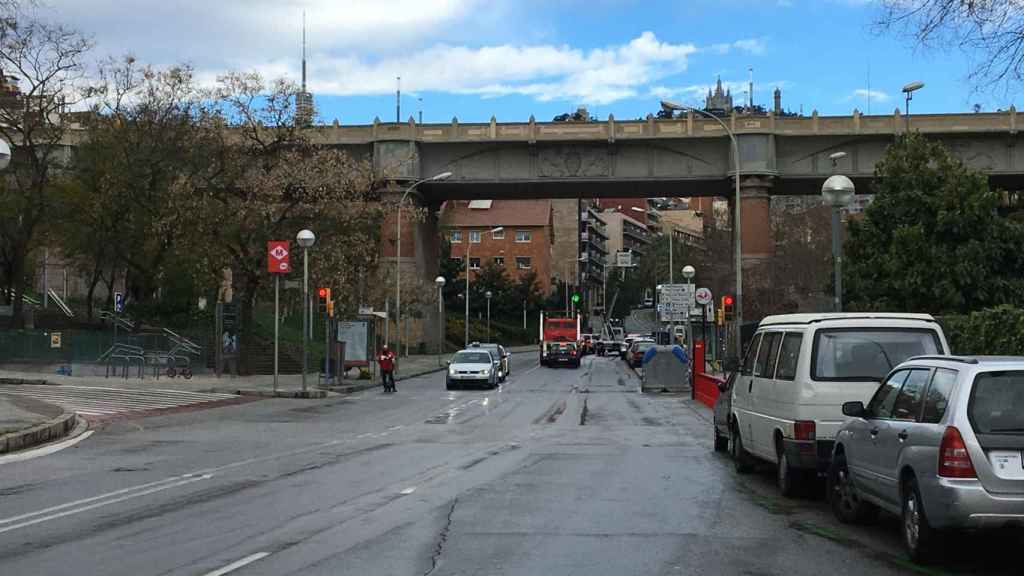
x: 721, y: 442
x: 919, y: 537
x: 741, y: 459
x: 788, y: 478
x: 846, y: 503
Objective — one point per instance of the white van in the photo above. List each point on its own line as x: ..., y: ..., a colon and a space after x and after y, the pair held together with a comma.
x: 797, y: 372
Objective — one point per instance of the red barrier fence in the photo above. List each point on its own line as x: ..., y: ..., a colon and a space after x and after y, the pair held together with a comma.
x: 705, y: 388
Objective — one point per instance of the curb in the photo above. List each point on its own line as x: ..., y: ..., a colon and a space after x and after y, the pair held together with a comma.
x: 309, y: 393
x: 48, y: 431
x: 27, y: 381
x: 368, y: 384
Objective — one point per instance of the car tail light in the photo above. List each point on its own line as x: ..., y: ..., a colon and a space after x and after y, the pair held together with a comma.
x: 572, y: 353
x: 804, y: 429
x: 954, y: 461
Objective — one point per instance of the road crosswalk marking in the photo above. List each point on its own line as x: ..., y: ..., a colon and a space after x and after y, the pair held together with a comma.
x: 97, y: 402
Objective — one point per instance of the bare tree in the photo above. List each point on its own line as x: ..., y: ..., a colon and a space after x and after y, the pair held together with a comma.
x: 46, y: 61
x: 991, y: 32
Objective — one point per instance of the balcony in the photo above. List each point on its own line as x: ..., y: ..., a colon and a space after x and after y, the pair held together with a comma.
x: 637, y: 233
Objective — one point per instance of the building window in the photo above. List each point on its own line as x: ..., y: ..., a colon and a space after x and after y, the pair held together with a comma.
x: 457, y: 261
x: 523, y: 262
x: 474, y: 263
x: 499, y: 261
x: 474, y: 236
x: 456, y: 236
x: 498, y: 234
x: 522, y: 235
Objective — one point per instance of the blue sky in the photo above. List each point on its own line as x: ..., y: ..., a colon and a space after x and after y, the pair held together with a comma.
x: 513, y: 58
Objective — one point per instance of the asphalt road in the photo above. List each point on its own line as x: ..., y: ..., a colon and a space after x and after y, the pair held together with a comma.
x: 557, y: 472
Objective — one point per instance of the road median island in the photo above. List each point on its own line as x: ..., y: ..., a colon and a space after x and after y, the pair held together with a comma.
x: 28, y: 423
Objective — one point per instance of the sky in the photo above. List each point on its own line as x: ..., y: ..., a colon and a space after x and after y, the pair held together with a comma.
x: 474, y: 59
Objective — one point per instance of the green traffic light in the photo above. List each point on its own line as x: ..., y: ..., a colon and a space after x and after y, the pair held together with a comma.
x: 576, y: 298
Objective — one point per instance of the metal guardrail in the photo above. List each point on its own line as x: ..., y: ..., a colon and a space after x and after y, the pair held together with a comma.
x: 61, y: 304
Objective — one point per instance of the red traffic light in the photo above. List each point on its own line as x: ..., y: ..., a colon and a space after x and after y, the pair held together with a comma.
x: 322, y: 293
x: 727, y: 300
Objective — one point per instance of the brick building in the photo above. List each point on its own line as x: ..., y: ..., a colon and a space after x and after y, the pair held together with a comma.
x: 524, y: 243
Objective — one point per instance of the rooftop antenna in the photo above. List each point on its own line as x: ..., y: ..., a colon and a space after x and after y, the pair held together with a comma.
x: 750, y: 105
x: 303, y: 51
x: 869, y: 88
x: 398, y: 100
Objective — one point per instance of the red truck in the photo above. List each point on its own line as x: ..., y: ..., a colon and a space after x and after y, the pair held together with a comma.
x: 559, y: 341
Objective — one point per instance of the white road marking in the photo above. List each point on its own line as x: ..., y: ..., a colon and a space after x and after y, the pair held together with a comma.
x: 98, y: 504
x: 43, y: 451
x: 408, y: 491
x: 238, y: 564
x: 100, y: 401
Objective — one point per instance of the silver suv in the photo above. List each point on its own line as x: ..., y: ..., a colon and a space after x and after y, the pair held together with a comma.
x: 940, y: 443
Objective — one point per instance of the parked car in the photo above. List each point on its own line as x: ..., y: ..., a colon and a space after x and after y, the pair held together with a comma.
x: 624, y: 347
x: 940, y: 444
x: 564, y: 353
x: 723, y: 406
x: 637, y: 351
x: 498, y: 351
x: 472, y: 366
x: 798, y: 371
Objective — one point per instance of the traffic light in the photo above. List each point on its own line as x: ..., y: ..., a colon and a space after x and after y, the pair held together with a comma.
x: 330, y: 308
x: 575, y: 297
x: 324, y: 293
x: 324, y: 299
x: 728, y: 310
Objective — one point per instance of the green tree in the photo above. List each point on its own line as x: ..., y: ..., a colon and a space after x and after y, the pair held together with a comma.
x: 933, y: 240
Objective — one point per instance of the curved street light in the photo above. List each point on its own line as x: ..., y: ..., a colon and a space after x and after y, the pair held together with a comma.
x: 440, y: 281
x: 398, y: 254
x: 909, y: 90
x: 738, y: 241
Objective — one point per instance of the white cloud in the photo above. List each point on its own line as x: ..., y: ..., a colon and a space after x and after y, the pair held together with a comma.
x: 755, y: 46
x: 865, y: 94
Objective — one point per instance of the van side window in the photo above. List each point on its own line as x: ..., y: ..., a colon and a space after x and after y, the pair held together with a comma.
x: 789, y: 354
x: 773, y: 355
x: 763, y: 367
x: 748, y: 360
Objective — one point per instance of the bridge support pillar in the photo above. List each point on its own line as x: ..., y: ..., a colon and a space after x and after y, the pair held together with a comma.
x: 428, y: 254
x: 758, y: 242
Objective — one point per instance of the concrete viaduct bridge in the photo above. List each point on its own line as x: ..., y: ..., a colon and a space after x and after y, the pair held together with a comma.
x: 688, y: 156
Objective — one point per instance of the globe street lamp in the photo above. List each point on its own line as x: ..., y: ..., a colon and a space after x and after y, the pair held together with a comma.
x: 909, y: 90
x: 488, y: 295
x: 306, y: 239
x: 837, y: 192
x: 468, y: 246
x: 5, y: 154
x: 738, y: 239
x: 689, y: 272
x: 439, y: 281
x: 398, y: 254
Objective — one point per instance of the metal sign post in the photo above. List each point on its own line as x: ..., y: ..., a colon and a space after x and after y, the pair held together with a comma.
x: 278, y: 262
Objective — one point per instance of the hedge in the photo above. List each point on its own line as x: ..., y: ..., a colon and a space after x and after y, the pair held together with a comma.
x: 994, y: 331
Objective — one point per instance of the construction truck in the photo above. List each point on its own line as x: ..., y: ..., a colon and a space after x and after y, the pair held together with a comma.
x: 560, y: 341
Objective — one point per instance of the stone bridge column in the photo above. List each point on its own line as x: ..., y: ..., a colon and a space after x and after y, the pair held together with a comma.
x: 758, y: 242
x: 428, y: 254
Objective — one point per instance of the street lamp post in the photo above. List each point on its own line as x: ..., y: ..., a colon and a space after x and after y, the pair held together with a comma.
x: 306, y: 239
x: 909, y: 90
x: 440, y: 317
x: 468, y: 246
x: 837, y: 191
x: 488, y: 295
x: 398, y: 255
x: 689, y: 272
x: 737, y: 243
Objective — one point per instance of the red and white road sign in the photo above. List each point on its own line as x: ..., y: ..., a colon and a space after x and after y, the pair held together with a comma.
x: 277, y: 257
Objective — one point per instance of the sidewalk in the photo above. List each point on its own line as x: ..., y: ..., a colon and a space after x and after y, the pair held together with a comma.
x: 27, y: 422
x: 289, y: 385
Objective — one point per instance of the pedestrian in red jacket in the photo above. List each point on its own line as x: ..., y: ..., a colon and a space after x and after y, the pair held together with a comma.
x: 386, y: 361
